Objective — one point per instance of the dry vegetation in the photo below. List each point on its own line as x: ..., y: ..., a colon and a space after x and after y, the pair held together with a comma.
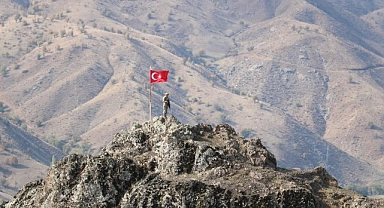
x: 306, y: 78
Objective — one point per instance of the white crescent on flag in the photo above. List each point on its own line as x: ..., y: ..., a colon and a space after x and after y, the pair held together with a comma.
x: 153, y: 76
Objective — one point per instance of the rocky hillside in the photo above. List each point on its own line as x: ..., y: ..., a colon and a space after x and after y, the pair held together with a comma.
x: 164, y: 163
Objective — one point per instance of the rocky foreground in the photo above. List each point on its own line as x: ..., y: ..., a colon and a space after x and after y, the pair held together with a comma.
x: 164, y: 163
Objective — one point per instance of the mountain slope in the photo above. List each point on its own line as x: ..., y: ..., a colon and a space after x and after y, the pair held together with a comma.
x: 306, y: 76
x: 23, y: 158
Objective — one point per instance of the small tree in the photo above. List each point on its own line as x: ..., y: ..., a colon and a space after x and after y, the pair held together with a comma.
x: 201, y: 53
x: 40, y: 124
x: 350, y: 79
x: 3, y: 182
x: 2, y: 107
x: 371, y: 125
x: 131, y: 76
x: 14, y: 160
x: 4, y: 71
x: 218, y: 108
x: 11, y: 161
x: 85, y: 147
x: 3, y: 146
x: 18, y: 17
x: 53, y: 160
x: 246, y: 133
x: 63, y: 33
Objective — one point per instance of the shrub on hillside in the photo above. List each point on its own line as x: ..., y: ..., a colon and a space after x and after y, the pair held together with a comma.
x: 246, y: 133
x: 11, y: 161
x: 4, y: 71
x: 3, y: 146
x: 3, y: 107
x: 218, y: 108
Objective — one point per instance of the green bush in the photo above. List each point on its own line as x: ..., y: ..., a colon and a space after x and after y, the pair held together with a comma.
x: 40, y: 124
x: 17, y: 120
x: 236, y: 91
x: 224, y: 119
x: 3, y: 107
x: 3, y: 182
x: 4, y: 71
x: 218, y: 108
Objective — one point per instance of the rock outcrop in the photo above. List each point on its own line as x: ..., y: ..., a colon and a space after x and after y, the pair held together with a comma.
x: 164, y: 163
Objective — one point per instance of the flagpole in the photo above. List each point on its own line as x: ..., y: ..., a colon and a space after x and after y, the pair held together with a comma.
x: 150, y: 102
x: 150, y: 98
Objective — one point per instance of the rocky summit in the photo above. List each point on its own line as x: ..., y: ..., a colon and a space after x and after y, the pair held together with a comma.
x: 164, y: 163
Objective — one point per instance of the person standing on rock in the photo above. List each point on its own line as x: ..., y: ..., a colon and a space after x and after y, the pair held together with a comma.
x: 166, y: 104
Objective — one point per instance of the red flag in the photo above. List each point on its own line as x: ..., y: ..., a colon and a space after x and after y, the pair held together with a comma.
x: 156, y: 76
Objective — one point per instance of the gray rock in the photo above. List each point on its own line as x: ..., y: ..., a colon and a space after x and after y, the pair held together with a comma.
x: 163, y: 163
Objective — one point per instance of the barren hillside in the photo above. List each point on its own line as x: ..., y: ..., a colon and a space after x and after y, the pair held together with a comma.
x: 304, y: 76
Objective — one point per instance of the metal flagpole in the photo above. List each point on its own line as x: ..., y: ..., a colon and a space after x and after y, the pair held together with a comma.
x: 150, y: 102
x: 150, y: 98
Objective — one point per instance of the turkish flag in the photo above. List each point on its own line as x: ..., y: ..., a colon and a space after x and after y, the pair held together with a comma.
x: 156, y: 76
